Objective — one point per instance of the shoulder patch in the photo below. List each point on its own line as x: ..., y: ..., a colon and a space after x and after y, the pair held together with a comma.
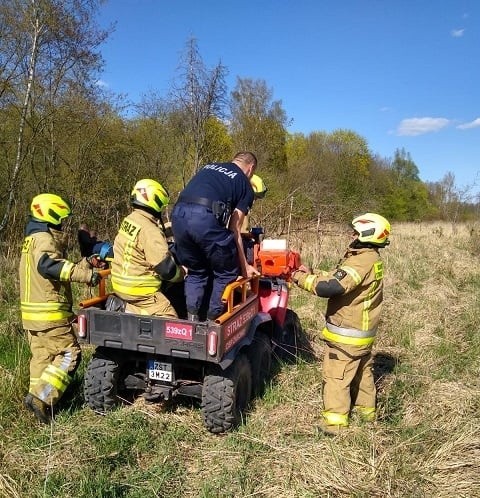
x: 339, y: 274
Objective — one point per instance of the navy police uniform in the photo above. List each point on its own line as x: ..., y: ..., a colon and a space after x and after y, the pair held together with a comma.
x: 203, y: 242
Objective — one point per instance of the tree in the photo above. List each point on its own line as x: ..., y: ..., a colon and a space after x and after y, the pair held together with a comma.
x: 404, y: 168
x: 453, y: 203
x: 49, y: 53
x: 259, y: 123
x: 407, y: 198
x: 197, y: 96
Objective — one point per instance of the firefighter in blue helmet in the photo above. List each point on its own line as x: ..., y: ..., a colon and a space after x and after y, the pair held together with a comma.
x: 206, y: 223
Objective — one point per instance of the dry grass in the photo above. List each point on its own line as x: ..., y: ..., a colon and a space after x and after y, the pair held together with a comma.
x: 426, y: 442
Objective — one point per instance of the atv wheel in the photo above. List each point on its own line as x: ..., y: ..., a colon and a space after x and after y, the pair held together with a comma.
x: 260, y: 356
x: 101, y: 383
x: 288, y: 346
x: 226, y: 395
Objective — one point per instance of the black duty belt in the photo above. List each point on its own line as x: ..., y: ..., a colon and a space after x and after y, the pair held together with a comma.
x: 221, y: 210
x: 201, y: 201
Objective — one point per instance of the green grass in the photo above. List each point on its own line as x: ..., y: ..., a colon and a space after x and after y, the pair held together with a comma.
x: 424, y: 443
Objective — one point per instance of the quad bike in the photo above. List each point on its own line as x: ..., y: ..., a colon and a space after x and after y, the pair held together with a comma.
x: 224, y: 363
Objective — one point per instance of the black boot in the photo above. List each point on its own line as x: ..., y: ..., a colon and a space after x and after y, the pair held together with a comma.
x: 40, y: 409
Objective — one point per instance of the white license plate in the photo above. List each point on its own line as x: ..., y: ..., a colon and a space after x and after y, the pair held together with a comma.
x: 160, y: 371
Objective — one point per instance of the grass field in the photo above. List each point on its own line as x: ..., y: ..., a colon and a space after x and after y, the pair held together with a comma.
x: 425, y: 443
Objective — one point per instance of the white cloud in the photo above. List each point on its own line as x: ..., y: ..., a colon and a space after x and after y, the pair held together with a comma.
x: 420, y: 126
x: 473, y: 124
x: 102, y: 84
x: 457, y: 33
x: 385, y: 109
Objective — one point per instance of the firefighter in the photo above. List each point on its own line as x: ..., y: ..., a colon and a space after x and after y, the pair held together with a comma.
x: 142, y: 260
x: 46, y: 303
x: 355, y: 293
x: 250, y: 235
x: 259, y: 192
x: 206, y: 222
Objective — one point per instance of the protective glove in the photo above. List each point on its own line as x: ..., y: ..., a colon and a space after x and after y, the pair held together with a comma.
x: 95, y: 262
x: 300, y: 274
x: 296, y: 275
x: 304, y: 269
x: 95, y: 279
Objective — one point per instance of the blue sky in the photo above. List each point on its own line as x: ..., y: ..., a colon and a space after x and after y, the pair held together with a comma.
x: 400, y: 73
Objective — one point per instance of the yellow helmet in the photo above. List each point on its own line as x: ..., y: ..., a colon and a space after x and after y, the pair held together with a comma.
x: 50, y: 208
x: 372, y: 229
x: 149, y: 194
x: 259, y: 187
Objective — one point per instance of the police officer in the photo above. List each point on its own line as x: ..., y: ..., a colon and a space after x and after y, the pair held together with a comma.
x: 46, y: 303
x: 355, y: 293
x: 142, y: 261
x: 206, y: 222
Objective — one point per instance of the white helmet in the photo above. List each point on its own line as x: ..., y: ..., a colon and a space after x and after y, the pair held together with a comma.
x: 372, y: 229
x: 149, y: 194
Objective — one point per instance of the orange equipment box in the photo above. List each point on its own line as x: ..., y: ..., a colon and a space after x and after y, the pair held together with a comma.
x: 278, y: 263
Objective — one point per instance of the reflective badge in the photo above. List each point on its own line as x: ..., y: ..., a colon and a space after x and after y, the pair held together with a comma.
x: 339, y: 274
x: 129, y: 229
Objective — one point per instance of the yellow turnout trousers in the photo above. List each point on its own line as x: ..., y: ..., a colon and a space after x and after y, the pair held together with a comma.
x: 156, y: 304
x: 56, y: 355
x: 347, y: 383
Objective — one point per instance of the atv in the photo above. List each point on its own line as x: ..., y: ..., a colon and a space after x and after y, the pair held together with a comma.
x: 224, y: 363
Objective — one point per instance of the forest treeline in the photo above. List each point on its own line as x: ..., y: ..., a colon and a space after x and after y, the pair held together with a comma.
x: 62, y: 131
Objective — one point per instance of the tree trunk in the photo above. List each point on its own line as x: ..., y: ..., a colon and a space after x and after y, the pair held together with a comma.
x: 23, y: 118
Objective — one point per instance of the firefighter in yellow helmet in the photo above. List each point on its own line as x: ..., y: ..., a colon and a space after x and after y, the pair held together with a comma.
x: 355, y: 293
x: 249, y: 234
x: 46, y: 303
x: 142, y: 260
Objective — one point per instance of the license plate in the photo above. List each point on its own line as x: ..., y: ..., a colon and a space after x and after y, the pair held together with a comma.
x: 160, y: 371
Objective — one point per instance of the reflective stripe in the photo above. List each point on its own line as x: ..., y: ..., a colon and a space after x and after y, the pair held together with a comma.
x: 130, y: 231
x: 365, y: 412
x: 367, y: 304
x: 45, y: 312
x: 141, y: 285
x: 26, y: 246
x: 332, y: 418
x: 51, y: 316
x: 136, y: 286
x: 127, y: 257
x: 66, y: 271
x: 56, y: 377
x: 353, y: 273
x: 348, y: 336
x: 42, y: 307
x: 309, y: 281
x: 33, y: 382
x: 344, y: 331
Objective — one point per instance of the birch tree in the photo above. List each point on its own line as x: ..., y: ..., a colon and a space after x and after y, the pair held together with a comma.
x: 50, y: 51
